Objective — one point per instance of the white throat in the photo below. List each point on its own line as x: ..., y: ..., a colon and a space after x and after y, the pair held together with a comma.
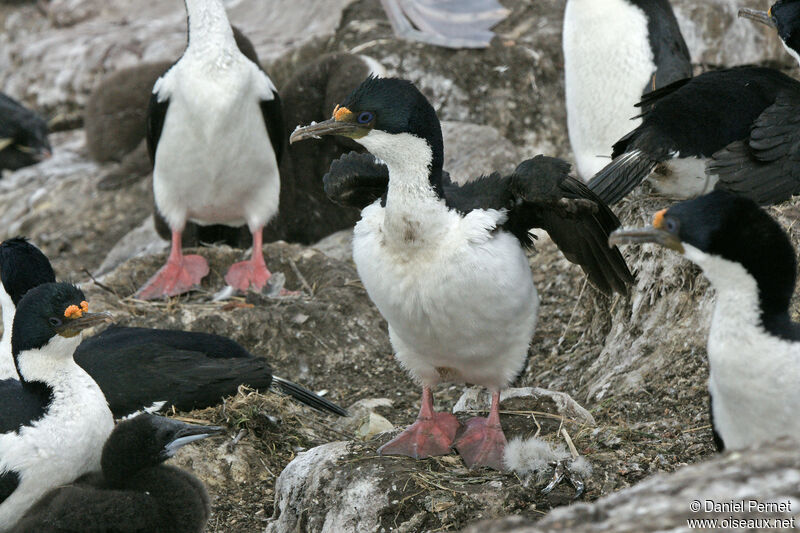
x: 7, y: 368
x: 737, y: 291
x: 52, y: 363
x: 792, y: 53
x: 412, y: 206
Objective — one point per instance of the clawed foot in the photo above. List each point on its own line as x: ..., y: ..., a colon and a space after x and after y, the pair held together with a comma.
x: 174, y: 278
x: 482, y: 444
x: 241, y: 276
x: 427, y: 437
x: 563, y: 469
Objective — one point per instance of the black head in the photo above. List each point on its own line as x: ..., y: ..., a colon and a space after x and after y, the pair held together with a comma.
x: 23, y: 135
x: 784, y: 16
x: 146, y: 441
x: 733, y: 228
x: 389, y: 105
x: 23, y: 267
x: 48, y: 311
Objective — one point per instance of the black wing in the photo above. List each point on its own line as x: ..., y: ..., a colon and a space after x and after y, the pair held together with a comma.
x: 22, y: 405
x: 356, y: 180
x: 541, y: 194
x: 273, y: 118
x: 766, y: 166
x: 156, y: 113
x: 137, y: 367
x: 669, y: 49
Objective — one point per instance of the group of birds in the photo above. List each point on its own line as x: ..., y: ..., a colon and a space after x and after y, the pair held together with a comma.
x: 444, y: 262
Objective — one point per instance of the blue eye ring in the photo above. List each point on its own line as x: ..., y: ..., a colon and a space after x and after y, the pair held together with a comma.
x: 671, y: 225
x: 365, y: 117
x: 55, y: 322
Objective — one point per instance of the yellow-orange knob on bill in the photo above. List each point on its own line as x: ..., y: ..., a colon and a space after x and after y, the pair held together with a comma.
x: 658, y: 219
x: 73, y: 311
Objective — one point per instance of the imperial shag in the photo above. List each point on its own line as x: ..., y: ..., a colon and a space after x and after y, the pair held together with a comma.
x: 733, y: 129
x: 446, y: 264
x: 753, y: 345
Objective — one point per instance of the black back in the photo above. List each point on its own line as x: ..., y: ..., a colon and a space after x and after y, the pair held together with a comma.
x: 26, y: 129
x: 666, y: 41
x: 137, y: 367
x: 700, y: 116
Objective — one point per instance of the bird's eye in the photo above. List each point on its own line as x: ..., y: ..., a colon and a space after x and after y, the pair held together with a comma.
x: 55, y: 321
x: 365, y: 117
x: 671, y: 225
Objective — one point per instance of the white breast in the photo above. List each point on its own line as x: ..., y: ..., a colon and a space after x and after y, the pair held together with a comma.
x: 754, y: 377
x: 215, y: 163
x: 460, y: 301
x: 65, y: 444
x: 608, y: 63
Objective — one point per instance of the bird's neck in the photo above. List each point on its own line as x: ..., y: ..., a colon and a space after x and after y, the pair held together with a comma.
x: 792, y: 51
x: 52, y: 364
x: 742, y: 303
x: 7, y: 368
x: 210, y: 33
x: 414, y: 197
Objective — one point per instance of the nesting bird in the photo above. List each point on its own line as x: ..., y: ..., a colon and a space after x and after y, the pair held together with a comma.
x: 23, y: 135
x: 54, y: 420
x: 215, y: 133
x: 446, y: 265
x: 753, y: 345
x: 143, y: 369
x: 615, y: 51
x: 731, y: 129
x: 135, y: 491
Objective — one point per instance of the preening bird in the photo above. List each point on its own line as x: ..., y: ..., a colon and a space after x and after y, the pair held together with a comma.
x: 615, y: 51
x: 141, y: 368
x: 54, y: 420
x: 753, y: 345
x: 734, y: 129
x: 135, y: 491
x: 446, y: 265
x: 215, y: 134
x: 23, y: 135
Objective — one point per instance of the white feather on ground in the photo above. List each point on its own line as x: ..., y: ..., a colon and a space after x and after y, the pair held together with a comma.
x: 533, y: 457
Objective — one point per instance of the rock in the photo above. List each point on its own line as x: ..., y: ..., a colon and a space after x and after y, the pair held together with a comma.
x: 472, y: 150
x: 338, y: 245
x: 56, y: 61
x: 138, y: 242
x: 769, y: 474
x: 477, y: 399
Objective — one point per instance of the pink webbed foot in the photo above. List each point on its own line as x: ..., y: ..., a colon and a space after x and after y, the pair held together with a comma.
x: 482, y: 444
x: 242, y: 275
x: 427, y: 437
x: 176, y: 277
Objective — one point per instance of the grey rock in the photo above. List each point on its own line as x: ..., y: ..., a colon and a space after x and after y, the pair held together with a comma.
x: 769, y: 474
x: 477, y: 399
x: 138, y: 242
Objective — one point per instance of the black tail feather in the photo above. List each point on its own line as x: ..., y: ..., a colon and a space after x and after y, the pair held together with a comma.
x: 619, y: 177
x: 307, y: 397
